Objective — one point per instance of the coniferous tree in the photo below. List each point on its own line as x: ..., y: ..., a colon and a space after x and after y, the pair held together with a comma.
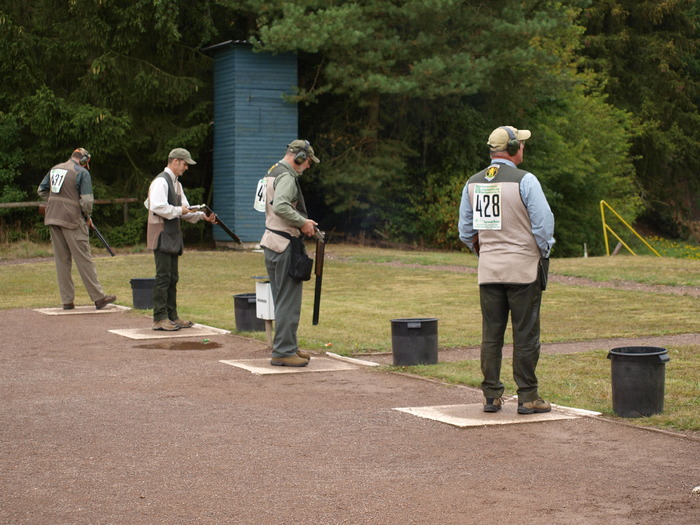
x: 398, y: 96
x: 124, y: 79
x: 412, y: 89
x: 649, y: 51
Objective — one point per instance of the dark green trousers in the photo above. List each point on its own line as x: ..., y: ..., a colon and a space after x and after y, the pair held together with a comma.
x: 165, y: 286
x: 522, y: 302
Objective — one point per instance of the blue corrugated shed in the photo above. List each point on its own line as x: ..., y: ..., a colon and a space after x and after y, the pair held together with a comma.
x: 252, y: 126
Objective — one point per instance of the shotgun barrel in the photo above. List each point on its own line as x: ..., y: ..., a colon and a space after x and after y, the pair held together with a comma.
x: 206, y: 209
x: 318, y: 270
x: 103, y: 240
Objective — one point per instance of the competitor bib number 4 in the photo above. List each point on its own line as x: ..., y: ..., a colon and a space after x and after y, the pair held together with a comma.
x: 487, y: 206
x: 260, y: 193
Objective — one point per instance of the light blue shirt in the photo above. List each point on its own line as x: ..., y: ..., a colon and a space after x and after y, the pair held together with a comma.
x: 541, y: 217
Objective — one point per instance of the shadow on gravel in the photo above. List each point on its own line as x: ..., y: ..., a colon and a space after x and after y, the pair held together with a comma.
x: 182, y: 345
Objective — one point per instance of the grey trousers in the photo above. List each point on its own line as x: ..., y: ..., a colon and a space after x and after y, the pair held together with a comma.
x: 523, y: 302
x: 74, y: 245
x: 286, y: 295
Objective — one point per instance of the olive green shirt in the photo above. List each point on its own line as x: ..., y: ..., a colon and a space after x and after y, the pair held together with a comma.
x: 288, y: 203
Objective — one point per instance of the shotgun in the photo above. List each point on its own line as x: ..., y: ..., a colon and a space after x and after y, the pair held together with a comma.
x: 318, y: 270
x: 103, y: 240
x: 206, y: 209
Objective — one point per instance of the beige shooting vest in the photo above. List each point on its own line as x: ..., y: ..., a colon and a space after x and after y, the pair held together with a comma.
x: 271, y: 240
x: 509, y: 254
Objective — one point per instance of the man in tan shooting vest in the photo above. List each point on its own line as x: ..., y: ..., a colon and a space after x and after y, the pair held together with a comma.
x: 67, y: 187
x: 505, y: 219
x: 285, y: 217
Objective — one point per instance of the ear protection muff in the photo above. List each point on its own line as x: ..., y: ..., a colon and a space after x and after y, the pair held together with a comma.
x: 85, y: 159
x: 513, y: 144
x: 302, y: 154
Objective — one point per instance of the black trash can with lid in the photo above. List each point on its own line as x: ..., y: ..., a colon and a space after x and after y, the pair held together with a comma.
x: 245, y: 311
x: 638, y: 380
x: 414, y: 341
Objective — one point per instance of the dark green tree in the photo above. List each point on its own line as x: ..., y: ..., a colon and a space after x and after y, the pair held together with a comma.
x: 398, y: 97
x: 649, y: 51
x: 403, y: 95
x: 124, y: 79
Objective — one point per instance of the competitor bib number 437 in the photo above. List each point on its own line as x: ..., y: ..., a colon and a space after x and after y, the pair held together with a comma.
x: 486, y: 206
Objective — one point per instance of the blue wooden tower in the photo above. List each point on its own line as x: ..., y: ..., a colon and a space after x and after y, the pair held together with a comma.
x: 252, y: 126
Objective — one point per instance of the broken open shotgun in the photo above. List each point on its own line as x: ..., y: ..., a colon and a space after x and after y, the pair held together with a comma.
x: 206, y: 209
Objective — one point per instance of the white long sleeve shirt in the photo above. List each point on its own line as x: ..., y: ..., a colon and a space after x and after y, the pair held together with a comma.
x: 157, y: 200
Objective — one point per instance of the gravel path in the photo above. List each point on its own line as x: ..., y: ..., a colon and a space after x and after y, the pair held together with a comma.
x: 96, y: 428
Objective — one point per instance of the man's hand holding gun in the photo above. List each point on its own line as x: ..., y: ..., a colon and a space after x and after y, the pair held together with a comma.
x: 209, y: 215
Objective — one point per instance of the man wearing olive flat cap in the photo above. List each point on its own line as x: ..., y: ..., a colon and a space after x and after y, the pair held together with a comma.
x: 504, y: 218
x: 286, y: 219
x: 167, y: 204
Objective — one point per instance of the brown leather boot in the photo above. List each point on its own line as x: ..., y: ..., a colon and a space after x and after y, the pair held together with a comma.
x: 293, y: 360
x: 107, y: 299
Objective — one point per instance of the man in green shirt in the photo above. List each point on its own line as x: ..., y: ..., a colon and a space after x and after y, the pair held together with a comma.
x: 286, y: 217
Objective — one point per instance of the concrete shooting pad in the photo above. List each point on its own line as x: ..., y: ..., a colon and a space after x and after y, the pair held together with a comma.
x: 473, y: 415
x: 198, y: 330
x: 80, y: 310
x: 263, y: 366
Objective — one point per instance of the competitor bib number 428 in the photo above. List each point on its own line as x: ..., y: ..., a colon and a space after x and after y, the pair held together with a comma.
x: 486, y: 206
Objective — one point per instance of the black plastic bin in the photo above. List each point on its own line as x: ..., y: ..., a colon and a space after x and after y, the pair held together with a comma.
x: 414, y: 341
x: 244, y: 306
x: 638, y: 379
x: 142, y: 291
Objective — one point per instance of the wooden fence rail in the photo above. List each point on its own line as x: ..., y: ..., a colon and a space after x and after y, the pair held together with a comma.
x: 33, y: 204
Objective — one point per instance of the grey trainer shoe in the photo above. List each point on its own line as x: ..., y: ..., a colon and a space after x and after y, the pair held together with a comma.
x: 166, y: 325
x: 182, y: 323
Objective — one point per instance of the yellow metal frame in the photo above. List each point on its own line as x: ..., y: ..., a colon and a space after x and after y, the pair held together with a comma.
x: 607, y: 228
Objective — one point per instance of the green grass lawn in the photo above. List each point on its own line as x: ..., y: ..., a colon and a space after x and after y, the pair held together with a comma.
x: 583, y: 380
x: 364, y: 288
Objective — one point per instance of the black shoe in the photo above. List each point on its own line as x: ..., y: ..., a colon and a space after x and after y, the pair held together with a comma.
x: 493, y: 404
x: 69, y: 306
